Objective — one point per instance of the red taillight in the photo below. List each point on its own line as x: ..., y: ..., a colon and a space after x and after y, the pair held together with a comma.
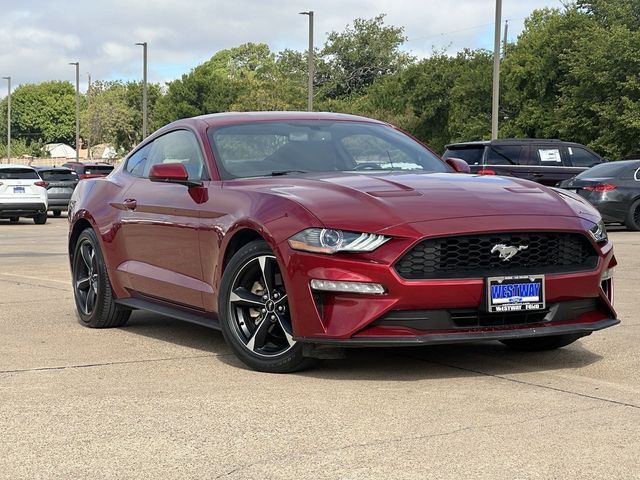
x: 84, y: 175
x: 486, y: 171
x: 41, y: 184
x: 603, y: 187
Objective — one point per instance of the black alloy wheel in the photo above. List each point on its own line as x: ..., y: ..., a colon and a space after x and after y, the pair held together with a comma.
x: 95, y: 301
x: 632, y: 221
x: 254, y: 312
x: 85, y: 281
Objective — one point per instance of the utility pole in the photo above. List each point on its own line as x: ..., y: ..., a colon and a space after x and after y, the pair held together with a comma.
x: 88, y: 116
x: 506, y: 38
x: 77, y: 65
x: 144, y: 89
x: 495, y: 104
x: 8, y: 79
x: 311, y: 62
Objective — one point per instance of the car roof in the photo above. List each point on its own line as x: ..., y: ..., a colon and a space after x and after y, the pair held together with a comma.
x: 54, y: 168
x: 88, y: 164
x: 230, y: 118
x: 510, y: 141
x: 628, y: 163
x: 16, y: 165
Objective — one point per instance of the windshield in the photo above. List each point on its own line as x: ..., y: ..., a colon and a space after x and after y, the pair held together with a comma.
x: 18, y: 174
x: 278, y: 148
x: 98, y: 169
x: 58, y: 175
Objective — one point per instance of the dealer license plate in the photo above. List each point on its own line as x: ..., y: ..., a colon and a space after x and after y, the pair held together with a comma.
x: 18, y: 189
x: 515, y: 294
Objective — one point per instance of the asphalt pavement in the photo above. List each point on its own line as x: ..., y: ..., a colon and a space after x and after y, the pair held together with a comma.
x: 165, y: 399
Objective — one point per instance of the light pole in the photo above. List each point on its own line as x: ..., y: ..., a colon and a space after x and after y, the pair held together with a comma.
x: 8, y: 79
x: 495, y: 104
x: 144, y: 89
x: 77, y: 65
x: 310, y: 59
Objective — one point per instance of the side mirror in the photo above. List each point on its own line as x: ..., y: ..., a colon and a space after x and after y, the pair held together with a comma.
x: 172, y: 173
x: 459, y: 165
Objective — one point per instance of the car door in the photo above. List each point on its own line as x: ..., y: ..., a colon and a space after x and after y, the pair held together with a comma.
x: 550, y: 167
x: 160, y: 226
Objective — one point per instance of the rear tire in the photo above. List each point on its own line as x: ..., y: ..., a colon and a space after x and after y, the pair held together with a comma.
x: 632, y: 221
x: 254, y: 312
x: 95, y: 302
x: 40, y: 219
x: 541, y: 343
x: 14, y: 219
x: 57, y: 213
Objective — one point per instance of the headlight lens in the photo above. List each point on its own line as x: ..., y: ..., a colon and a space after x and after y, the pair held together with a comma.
x: 599, y: 232
x: 327, y: 240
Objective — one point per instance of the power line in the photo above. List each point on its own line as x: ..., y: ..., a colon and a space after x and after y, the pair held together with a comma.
x: 475, y: 27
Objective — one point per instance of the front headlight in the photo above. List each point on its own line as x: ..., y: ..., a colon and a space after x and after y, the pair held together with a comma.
x: 327, y: 240
x: 599, y: 232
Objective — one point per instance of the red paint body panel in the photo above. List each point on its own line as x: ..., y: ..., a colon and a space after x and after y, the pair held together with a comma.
x: 172, y: 245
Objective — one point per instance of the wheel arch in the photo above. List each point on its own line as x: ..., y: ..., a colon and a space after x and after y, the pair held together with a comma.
x: 239, y: 239
x: 78, y: 227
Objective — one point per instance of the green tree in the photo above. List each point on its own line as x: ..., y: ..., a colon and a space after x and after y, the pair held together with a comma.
x: 352, y: 60
x: 42, y: 113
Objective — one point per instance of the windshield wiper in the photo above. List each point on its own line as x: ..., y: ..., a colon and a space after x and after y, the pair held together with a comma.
x: 278, y: 173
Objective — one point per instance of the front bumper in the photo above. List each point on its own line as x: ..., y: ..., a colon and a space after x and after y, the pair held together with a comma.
x: 357, y: 319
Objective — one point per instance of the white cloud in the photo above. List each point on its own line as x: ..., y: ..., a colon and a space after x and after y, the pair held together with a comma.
x: 40, y: 37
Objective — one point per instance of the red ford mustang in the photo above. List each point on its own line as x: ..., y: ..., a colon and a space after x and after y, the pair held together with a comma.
x: 300, y: 233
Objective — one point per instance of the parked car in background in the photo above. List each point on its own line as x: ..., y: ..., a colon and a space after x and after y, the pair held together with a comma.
x: 297, y: 231
x: 90, y: 169
x: 22, y: 194
x: 61, y: 182
x: 614, y: 189
x: 544, y: 161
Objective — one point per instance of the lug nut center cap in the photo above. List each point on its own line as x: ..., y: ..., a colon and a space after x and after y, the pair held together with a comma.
x: 270, y: 306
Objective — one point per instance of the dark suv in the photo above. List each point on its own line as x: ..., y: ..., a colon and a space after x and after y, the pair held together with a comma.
x: 89, y: 169
x: 543, y: 161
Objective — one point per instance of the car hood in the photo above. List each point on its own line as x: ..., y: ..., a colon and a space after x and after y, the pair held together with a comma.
x: 372, y: 202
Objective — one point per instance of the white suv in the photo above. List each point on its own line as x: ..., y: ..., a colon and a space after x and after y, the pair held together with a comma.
x: 22, y: 194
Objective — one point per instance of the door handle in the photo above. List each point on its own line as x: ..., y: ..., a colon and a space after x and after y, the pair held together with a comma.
x: 130, y: 204
x: 538, y: 174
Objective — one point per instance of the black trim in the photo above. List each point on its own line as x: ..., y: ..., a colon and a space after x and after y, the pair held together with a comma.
x: 170, y: 311
x: 468, y: 337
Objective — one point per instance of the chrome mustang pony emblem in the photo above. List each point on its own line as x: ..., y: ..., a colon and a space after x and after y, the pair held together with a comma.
x: 507, y: 252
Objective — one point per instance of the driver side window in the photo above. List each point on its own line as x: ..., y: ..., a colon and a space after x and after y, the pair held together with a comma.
x: 180, y: 146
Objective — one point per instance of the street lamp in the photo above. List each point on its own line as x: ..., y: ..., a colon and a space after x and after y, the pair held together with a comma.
x: 8, y: 79
x: 495, y: 104
x: 144, y: 89
x: 310, y: 59
x: 77, y: 65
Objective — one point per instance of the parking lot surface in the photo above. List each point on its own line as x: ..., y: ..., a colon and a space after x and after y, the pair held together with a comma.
x: 165, y: 399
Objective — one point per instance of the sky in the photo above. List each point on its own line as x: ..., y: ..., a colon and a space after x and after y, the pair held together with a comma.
x: 38, y: 38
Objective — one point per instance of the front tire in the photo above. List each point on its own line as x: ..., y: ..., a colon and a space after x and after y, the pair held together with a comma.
x: 40, y: 219
x: 254, y: 312
x: 541, y: 343
x: 632, y: 221
x: 95, y: 302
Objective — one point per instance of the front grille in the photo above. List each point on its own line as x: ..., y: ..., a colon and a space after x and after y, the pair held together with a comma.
x: 469, y: 256
x: 475, y: 318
